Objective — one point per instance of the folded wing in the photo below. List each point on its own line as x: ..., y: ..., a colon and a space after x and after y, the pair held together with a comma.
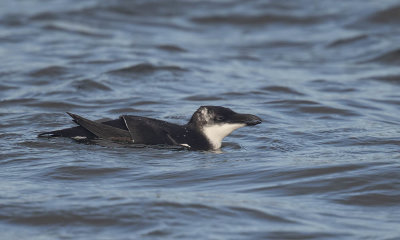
x: 101, y: 130
x: 151, y: 131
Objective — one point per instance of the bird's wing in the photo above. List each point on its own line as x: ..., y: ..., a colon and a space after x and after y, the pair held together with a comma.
x: 101, y: 130
x: 150, y: 131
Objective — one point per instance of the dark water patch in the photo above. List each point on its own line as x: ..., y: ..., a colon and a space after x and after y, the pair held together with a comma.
x: 386, y: 102
x: 330, y: 86
x: 310, y: 107
x: 171, y: 48
x: 235, y: 94
x: 366, y: 141
x: 125, y: 110
x: 44, y: 16
x: 33, y: 144
x: 36, y: 217
x: 338, y: 89
x: 13, y: 20
x: 282, y: 89
x: 316, y: 186
x: 6, y: 73
x: 81, y: 172
x: 126, y: 100
x: 254, y: 213
x: 142, y: 8
x: 328, y: 110
x: 51, y: 71
x: 4, y: 87
x: 387, y: 16
x: 392, y: 79
x: 371, y: 199
x: 388, y: 119
x: 283, y: 44
x: 53, y: 105
x: 287, y: 103
x: 322, y: 171
x: 8, y: 135
x: 358, y: 105
x: 201, y: 98
x: 290, y: 102
x: 303, y: 235
x: 316, y: 180
x: 90, y: 85
x: 391, y: 57
x: 97, y: 62
x: 142, y: 103
x: 146, y: 68
x: 347, y: 41
x: 239, y: 19
x: 13, y: 102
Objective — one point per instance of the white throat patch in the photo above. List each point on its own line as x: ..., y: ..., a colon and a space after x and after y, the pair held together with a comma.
x: 215, y: 133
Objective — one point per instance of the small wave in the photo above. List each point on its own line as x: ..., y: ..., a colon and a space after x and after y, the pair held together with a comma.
x: 310, y: 107
x: 141, y: 103
x: 346, y: 41
x: 34, y: 217
x: 392, y: 79
x: 337, y: 89
x: 388, y: 101
x: 388, y: 16
x: 283, y: 43
x: 144, y: 68
x: 124, y: 110
x: 237, y: 19
x: 235, y: 94
x: 171, y: 48
x: 90, y: 85
x: 328, y: 110
x: 281, y: 89
x: 358, y: 104
x: 371, y: 199
x: 330, y: 86
x: 78, y: 172
x: 253, y: 213
x: 244, y: 57
x: 202, y: 98
x: 50, y: 71
x: 13, y: 20
x: 365, y: 141
x: 53, y: 104
x: 13, y: 102
x: 316, y: 180
x: 4, y: 87
x: 287, y: 103
x: 44, y: 16
x: 391, y: 57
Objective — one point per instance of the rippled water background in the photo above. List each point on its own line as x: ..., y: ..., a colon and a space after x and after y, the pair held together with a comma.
x: 324, y: 76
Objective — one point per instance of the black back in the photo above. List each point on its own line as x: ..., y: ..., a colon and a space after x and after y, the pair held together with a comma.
x: 141, y: 130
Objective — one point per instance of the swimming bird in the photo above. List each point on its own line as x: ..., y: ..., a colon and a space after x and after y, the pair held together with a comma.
x: 208, y: 126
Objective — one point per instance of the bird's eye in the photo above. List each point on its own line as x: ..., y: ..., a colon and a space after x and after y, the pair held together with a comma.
x: 219, y: 118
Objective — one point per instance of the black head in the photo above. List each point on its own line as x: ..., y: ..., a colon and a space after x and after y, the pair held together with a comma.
x: 215, y: 115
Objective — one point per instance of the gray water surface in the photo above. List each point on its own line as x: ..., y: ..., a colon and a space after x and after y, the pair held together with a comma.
x: 323, y: 75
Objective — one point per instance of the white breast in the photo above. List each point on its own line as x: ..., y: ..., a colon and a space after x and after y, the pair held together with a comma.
x: 215, y: 133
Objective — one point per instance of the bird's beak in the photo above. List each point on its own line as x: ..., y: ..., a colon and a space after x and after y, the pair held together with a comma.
x: 248, y: 119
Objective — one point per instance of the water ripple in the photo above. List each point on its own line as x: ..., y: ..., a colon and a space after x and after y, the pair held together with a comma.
x: 144, y: 68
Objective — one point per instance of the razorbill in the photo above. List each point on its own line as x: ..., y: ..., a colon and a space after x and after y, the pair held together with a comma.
x: 205, y: 130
